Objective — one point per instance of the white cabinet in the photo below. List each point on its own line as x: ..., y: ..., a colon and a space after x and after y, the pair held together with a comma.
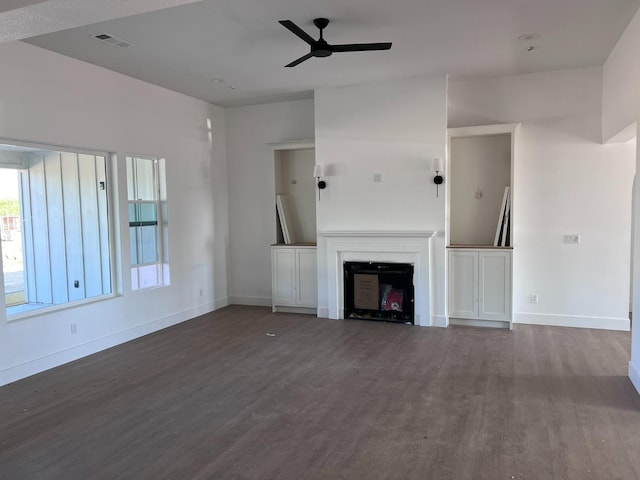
x: 480, y: 285
x: 294, y: 278
x: 463, y: 283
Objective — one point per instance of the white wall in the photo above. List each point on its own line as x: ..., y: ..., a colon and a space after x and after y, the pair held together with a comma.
x: 621, y: 118
x: 565, y: 182
x: 52, y: 99
x: 252, y: 213
x: 621, y: 95
x: 394, y: 129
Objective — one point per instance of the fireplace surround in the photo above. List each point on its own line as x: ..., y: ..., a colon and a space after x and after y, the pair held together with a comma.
x: 412, y: 247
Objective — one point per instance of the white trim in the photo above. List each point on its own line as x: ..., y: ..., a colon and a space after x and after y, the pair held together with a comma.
x: 477, y: 131
x: 305, y: 144
x: 221, y: 303
x: 381, y: 246
x: 634, y: 376
x: 251, y: 301
x: 41, y: 364
x: 439, y: 321
x: 468, y: 322
x: 323, y: 312
x: 601, y: 323
x: 46, y: 309
x: 379, y: 233
x: 55, y: 147
x: 300, y: 310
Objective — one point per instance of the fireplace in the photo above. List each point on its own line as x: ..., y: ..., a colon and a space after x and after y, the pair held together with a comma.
x: 378, y: 291
x: 411, y: 247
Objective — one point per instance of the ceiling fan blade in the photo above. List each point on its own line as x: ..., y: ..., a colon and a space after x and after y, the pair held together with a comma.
x: 360, y: 47
x: 288, y: 24
x: 300, y: 60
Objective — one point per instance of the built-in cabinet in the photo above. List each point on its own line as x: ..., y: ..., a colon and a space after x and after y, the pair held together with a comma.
x: 294, y: 278
x: 294, y: 282
x: 480, y: 168
x: 479, y: 285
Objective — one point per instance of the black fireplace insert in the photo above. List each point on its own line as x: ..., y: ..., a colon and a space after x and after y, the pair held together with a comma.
x: 379, y: 291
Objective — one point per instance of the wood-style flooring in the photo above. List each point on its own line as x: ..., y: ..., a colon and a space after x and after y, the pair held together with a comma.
x: 220, y: 397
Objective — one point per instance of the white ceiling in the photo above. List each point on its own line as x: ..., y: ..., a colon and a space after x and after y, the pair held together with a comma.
x: 185, y: 47
x: 26, y: 18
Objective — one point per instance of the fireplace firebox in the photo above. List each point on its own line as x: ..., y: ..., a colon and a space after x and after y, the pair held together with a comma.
x: 379, y: 291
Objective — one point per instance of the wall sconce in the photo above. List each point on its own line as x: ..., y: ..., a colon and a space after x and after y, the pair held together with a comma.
x: 318, y: 171
x: 437, y: 167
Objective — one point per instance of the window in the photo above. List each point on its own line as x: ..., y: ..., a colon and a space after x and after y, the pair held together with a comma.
x: 55, y: 226
x: 146, y: 194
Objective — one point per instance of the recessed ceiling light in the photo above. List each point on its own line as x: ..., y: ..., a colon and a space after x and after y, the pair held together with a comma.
x: 528, y: 37
x: 217, y: 80
x: 231, y: 87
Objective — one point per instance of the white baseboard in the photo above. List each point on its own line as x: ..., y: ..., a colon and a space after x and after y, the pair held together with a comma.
x: 301, y: 310
x: 253, y: 301
x: 18, y: 372
x: 323, y: 312
x: 439, y: 321
x: 221, y: 303
x: 602, y: 323
x: 634, y: 376
x: 468, y: 322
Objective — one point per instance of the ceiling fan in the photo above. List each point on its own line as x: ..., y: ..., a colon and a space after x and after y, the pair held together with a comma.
x: 320, y: 48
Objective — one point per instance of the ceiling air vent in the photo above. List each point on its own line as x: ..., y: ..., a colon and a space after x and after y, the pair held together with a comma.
x: 111, y: 40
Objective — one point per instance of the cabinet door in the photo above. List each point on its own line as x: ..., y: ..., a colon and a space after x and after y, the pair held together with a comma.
x: 463, y: 284
x: 495, y: 285
x: 307, y: 277
x: 284, y: 276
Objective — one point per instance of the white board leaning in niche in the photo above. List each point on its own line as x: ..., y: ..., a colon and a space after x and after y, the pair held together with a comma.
x: 502, y: 230
x: 284, y: 215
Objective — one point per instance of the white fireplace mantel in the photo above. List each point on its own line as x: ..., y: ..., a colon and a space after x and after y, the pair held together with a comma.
x: 410, y: 246
x: 379, y: 233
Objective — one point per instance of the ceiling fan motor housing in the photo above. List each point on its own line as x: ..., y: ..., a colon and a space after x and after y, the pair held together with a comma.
x: 321, y: 49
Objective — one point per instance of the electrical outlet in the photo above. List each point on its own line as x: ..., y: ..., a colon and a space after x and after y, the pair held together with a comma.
x: 74, y: 328
x: 572, y: 239
x: 533, y: 298
x: 377, y: 177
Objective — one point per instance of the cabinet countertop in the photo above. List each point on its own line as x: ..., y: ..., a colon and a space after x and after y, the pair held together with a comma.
x: 491, y: 247
x: 296, y: 245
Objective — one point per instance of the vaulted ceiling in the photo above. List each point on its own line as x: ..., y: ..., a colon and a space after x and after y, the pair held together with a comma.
x: 233, y: 52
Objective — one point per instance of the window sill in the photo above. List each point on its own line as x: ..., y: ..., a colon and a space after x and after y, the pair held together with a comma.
x: 29, y: 310
x: 151, y: 287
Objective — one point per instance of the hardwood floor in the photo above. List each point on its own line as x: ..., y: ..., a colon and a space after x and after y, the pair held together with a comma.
x: 218, y: 398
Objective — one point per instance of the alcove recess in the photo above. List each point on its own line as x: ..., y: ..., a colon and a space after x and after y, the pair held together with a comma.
x: 293, y: 170
x: 294, y: 283
x: 479, y: 232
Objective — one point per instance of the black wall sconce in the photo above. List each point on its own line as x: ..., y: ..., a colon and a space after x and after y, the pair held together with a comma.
x: 318, y: 171
x: 437, y: 168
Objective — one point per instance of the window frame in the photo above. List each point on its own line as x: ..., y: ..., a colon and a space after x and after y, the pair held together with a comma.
x: 162, y: 262
x: 111, y: 216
